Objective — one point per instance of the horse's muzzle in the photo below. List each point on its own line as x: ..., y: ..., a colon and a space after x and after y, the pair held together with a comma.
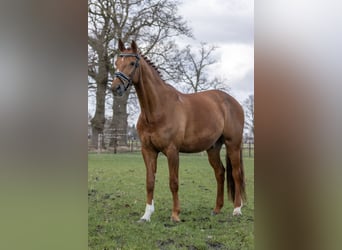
x: 119, y: 90
x: 118, y: 87
x: 124, y: 83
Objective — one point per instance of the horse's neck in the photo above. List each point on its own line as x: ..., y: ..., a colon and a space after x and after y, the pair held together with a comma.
x: 151, y: 92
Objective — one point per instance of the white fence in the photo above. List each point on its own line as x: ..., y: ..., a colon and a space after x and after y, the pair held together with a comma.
x: 109, y: 143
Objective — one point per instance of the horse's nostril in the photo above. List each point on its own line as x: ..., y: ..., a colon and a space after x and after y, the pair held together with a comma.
x: 118, y: 91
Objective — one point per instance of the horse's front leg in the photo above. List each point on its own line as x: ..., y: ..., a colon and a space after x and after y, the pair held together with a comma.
x: 173, y: 162
x: 150, y: 159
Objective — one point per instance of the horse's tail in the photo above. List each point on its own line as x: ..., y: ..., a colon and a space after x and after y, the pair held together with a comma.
x: 242, y: 178
x: 230, y: 179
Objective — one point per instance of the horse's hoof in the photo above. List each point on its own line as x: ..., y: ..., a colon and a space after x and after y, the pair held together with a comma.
x: 213, y: 213
x: 142, y: 220
x: 237, y: 211
x: 176, y: 220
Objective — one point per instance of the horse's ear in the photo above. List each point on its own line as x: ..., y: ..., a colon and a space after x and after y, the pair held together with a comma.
x: 121, y: 45
x: 134, y: 47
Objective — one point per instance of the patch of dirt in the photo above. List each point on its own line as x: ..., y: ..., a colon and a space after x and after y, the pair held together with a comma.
x: 250, y: 218
x: 216, y: 245
x: 106, y: 196
x: 163, y: 244
x: 170, y: 225
x: 92, y: 192
x: 99, y: 228
x: 134, y: 214
x: 203, y: 219
x: 192, y: 248
x: 203, y: 188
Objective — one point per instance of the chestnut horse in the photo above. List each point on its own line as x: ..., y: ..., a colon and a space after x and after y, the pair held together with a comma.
x: 171, y: 122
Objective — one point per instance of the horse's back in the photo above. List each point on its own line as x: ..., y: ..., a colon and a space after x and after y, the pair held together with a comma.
x: 209, y: 116
x: 218, y: 103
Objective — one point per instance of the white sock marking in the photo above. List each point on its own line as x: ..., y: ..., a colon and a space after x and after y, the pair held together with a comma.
x: 148, y: 212
x: 237, y: 210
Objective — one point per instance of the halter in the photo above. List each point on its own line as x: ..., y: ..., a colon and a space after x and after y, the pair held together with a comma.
x: 126, y: 81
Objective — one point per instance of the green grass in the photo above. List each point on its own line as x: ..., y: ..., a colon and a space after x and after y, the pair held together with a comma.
x: 116, y: 200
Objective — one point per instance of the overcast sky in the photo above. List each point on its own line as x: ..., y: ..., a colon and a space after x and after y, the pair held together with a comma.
x: 228, y: 24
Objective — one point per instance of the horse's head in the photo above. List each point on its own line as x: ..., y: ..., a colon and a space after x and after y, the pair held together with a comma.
x: 126, y: 66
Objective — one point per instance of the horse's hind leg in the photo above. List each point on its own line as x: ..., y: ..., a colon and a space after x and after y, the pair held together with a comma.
x: 215, y: 162
x: 235, y: 177
x: 172, y: 155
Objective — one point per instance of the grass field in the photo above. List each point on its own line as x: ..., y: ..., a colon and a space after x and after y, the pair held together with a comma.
x: 116, y: 200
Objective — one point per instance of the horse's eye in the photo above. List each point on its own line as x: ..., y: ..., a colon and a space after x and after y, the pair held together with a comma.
x: 132, y: 63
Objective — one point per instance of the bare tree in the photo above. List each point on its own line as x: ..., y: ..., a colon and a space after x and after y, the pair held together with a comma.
x: 151, y: 22
x: 193, y: 69
x: 249, y: 114
x: 99, y: 25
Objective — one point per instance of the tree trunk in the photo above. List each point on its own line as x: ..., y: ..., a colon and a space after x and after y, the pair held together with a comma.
x: 119, y: 123
x: 97, y: 123
x: 95, y: 137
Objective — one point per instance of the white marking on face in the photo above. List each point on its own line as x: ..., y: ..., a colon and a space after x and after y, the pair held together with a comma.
x: 148, y: 212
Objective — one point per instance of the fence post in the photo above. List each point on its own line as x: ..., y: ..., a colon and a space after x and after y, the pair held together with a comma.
x: 115, y: 144
x: 99, y: 140
x: 249, y: 149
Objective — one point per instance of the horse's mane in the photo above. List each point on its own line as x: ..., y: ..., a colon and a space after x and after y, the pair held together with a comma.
x: 150, y: 63
x: 153, y: 66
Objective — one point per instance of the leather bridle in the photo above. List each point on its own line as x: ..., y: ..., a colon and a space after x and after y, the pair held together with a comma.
x: 126, y: 81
